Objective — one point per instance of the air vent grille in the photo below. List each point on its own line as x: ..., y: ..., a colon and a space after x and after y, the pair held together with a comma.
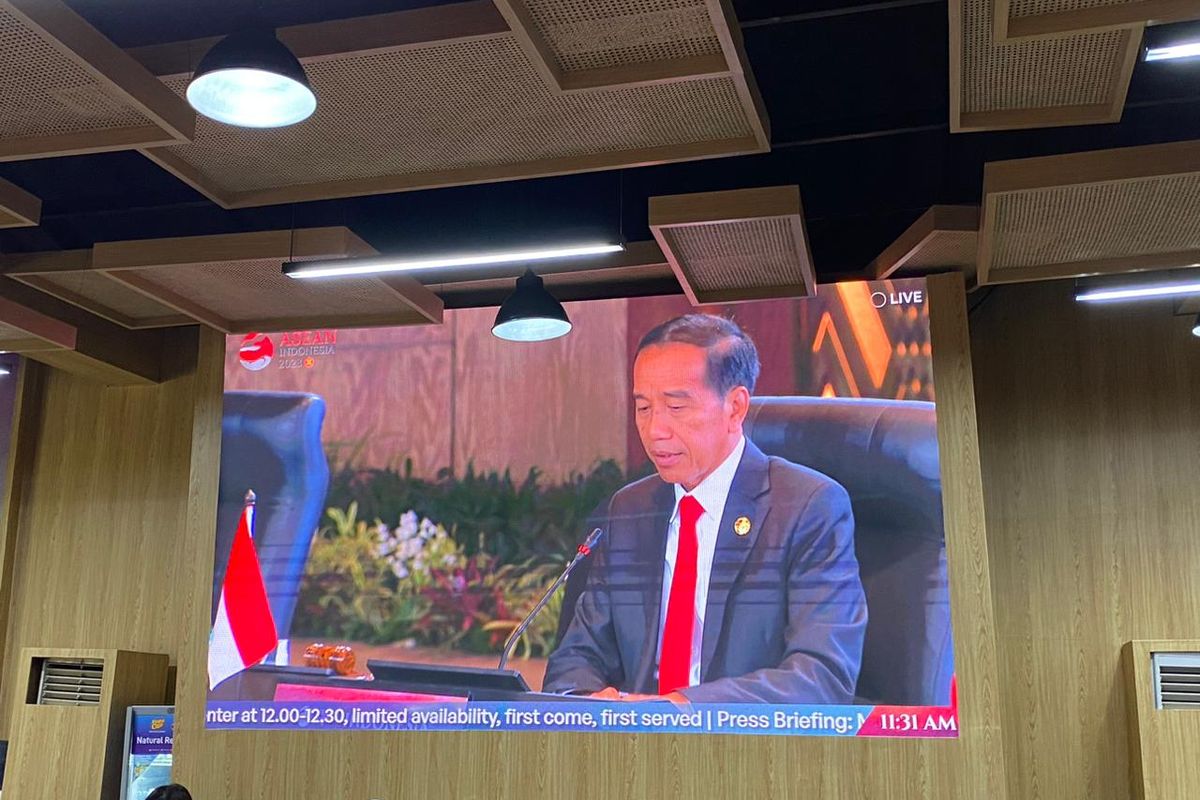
x: 70, y: 682
x: 1176, y: 680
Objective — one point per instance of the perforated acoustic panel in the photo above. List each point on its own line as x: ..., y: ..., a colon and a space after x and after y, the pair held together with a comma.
x: 232, y: 282
x: 454, y: 113
x: 594, y: 34
x: 944, y: 237
x: 64, y: 88
x: 244, y: 296
x: 1099, y: 212
x: 99, y: 293
x: 747, y: 244
x: 1016, y: 19
x: 407, y: 107
x: 1070, y: 79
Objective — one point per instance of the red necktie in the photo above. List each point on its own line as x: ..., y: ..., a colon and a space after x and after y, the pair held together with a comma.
x: 675, y: 663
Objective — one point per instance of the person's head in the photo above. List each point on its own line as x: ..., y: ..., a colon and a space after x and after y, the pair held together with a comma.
x: 692, y: 380
x: 172, y: 791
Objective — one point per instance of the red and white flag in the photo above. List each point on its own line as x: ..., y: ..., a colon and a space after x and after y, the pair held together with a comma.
x: 244, y: 631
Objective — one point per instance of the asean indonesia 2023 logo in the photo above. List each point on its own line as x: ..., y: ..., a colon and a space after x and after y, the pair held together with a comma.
x: 256, y: 351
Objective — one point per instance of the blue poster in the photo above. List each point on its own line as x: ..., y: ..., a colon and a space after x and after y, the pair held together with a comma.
x: 150, y: 733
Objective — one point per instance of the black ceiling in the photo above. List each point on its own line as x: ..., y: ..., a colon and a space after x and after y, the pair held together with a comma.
x: 856, y: 93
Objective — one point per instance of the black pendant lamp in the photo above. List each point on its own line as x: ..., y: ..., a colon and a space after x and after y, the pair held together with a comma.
x: 252, y: 80
x: 531, y: 314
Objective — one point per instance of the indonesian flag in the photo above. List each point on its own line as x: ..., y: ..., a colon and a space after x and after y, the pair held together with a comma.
x: 244, y: 631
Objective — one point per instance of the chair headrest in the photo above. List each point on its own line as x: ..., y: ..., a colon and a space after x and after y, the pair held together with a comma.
x: 288, y: 420
x: 884, y: 452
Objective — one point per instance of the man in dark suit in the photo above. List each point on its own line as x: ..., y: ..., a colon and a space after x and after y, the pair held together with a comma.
x: 728, y: 576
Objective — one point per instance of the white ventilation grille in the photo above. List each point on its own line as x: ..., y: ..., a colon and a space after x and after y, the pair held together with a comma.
x: 70, y: 682
x: 1176, y: 680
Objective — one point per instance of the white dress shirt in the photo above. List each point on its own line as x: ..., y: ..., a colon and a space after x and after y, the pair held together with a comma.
x: 711, y: 494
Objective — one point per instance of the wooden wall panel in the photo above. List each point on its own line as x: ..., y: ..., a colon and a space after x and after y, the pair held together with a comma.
x: 559, y: 406
x: 1089, y: 433
x: 102, y: 544
x: 1162, y: 742
x: 93, y: 736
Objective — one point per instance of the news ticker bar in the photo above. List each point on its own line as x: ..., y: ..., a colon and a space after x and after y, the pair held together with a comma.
x: 932, y: 722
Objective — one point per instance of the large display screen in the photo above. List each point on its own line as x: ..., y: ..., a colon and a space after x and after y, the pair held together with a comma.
x: 748, y: 496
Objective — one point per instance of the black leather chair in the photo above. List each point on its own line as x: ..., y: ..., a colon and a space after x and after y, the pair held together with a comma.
x: 885, y: 453
x: 271, y: 443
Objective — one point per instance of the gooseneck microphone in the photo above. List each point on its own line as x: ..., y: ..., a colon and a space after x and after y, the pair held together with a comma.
x: 582, y: 552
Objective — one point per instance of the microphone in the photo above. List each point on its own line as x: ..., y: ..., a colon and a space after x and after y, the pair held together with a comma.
x: 582, y: 552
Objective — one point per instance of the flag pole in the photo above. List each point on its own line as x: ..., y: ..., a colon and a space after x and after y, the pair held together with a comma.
x: 249, y: 505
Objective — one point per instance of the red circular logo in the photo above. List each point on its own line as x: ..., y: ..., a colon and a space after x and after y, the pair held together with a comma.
x: 256, y: 351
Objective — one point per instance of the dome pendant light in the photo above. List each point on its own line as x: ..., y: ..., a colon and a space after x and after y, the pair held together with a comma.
x: 252, y: 80
x: 531, y: 314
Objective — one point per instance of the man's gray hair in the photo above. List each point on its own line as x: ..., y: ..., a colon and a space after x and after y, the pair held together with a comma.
x: 732, y: 356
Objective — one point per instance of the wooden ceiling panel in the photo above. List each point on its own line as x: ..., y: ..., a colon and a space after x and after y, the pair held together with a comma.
x: 465, y: 109
x: 639, y: 270
x: 18, y: 208
x: 66, y: 89
x: 1093, y: 213
x: 231, y: 282
x: 70, y: 276
x: 728, y: 247
x: 24, y: 329
x: 234, y: 282
x: 1017, y: 19
x: 944, y: 237
x: 586, y: 44
x: 1069, y: 79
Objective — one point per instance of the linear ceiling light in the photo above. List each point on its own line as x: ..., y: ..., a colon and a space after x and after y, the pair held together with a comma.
x: 252, y: 80
x: 385, y: 264
x: 1099, y: 295
x: 1181, y: 50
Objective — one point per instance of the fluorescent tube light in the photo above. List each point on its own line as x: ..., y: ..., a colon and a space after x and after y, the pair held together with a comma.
x: 1098, y: 295
x: 384, y: 264
x: 1182, y: 50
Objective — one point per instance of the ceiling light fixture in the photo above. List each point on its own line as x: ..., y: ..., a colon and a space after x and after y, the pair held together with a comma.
x: 385, y: 264
x: 1181, y: 50
x: 531, y: 314
x: 1196, y: 327
x: 252, y: 80
x: 1097, y: 295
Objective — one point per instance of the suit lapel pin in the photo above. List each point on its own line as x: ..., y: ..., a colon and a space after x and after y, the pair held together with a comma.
x: 741, y: 526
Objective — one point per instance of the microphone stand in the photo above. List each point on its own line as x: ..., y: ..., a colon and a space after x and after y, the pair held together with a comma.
x: 583, y: 552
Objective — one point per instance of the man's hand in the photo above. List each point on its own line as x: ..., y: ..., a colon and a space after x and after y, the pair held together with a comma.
x: 639, y: 698
x: 612, y: 693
